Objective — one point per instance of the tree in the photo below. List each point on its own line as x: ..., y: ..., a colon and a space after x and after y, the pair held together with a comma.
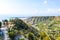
x: 19, y: 24
x: 0, y: 24
x: 31, y: 36
x: 5, y: 22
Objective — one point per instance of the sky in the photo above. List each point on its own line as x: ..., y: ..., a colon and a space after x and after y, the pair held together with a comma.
x: 27, y: 8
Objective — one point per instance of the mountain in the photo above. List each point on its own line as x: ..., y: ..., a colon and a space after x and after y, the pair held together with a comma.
x: 36, y: 19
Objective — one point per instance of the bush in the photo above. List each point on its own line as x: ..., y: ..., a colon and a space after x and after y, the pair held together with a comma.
x: 21, y: 39
x: 42, y: 35
x: 0, y: 24
x: 31, y: 36
x: 58, y: 38
x: 46, y: 38
x: 11, y: 35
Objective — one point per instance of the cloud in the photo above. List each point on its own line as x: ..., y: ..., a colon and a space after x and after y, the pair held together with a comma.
x: 6, y: 9
x: 45, y: 2
x: 9, y: 9
x: 59, y: 9
x: 49, y: 11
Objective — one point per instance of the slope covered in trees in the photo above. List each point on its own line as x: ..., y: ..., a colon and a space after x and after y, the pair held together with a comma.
x: 36, y: 19
x: 21, y: 28
x: 49, y: 29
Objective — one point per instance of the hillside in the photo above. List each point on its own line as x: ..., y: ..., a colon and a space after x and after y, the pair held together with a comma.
x: 46, y: 28
x: 36, y: 19
x: 21, y: 28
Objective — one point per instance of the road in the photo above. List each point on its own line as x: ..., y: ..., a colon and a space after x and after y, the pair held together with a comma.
x: 5, y: 33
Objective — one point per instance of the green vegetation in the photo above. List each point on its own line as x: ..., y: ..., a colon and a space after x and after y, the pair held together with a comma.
x: 0, y: 24
x: 21, y: 28
x: 31, y: 36
x: 48, y: 29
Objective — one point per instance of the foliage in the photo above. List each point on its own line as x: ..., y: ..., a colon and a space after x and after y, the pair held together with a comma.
x: 48, y: 30
x: 58, y: 38
x: 42, y: 34
x: 19, y: 24
x: 11, y: 35
x: 46, y: 38
x: 31, y: 36
x: 21, y: 39
x: 0, y: 24
x: 22, y: 28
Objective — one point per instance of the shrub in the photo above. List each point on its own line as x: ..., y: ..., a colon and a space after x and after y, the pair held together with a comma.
x: 31, y: 36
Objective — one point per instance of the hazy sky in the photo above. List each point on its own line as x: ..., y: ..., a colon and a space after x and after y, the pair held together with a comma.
x: 24, y: 8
